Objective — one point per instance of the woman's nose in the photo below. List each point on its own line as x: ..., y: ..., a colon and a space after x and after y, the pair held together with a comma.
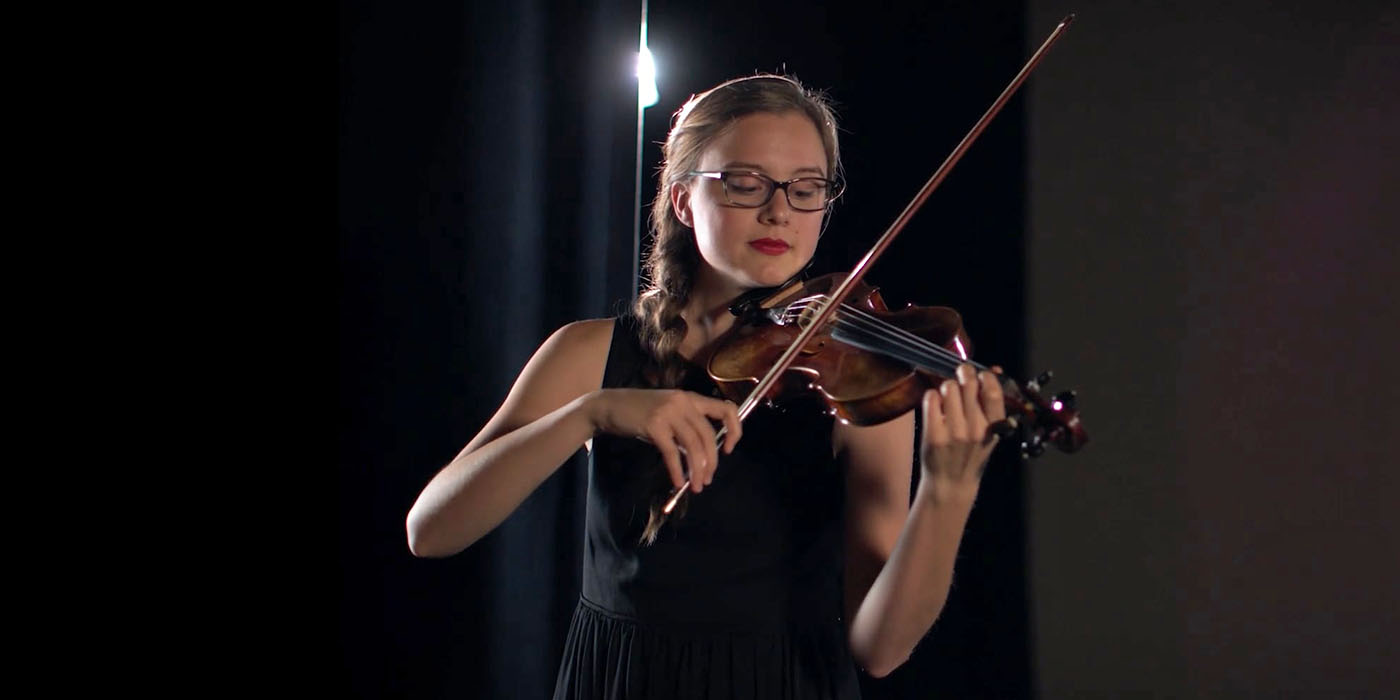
x: 777, y: 210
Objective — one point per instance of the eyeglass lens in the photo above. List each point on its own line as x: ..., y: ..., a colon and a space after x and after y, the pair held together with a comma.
x: 752, y: 190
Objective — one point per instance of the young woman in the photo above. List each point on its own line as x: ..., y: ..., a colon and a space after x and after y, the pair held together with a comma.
x: 800, y: 551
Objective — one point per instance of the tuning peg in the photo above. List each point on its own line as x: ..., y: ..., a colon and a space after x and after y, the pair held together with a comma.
x: 1034, y: 447
x: 1065, y: 401
x: 1039, y: 382
x: 1005, y: 428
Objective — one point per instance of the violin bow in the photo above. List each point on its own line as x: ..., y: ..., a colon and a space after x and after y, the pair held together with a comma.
x: 844, y: 289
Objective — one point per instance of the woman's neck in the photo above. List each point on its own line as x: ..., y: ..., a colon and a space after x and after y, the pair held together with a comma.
x: 707, y: 314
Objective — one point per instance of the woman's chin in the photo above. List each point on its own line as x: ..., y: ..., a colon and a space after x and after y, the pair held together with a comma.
x: 770, y: 273
x: 772, y: 276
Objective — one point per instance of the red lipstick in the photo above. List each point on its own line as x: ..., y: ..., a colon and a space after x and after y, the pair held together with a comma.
x: 769, y: 246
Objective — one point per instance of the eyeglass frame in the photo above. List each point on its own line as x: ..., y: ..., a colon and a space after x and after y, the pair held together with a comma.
x: 722, y: 175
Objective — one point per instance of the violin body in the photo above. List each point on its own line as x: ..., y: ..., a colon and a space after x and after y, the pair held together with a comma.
x: 858, y: 386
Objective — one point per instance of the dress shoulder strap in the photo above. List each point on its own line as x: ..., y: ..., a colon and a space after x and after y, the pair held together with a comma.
x: 625, y: 355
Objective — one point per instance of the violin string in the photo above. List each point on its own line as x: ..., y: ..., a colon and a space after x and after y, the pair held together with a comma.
x: 915, y: 350
x: 866, y: 341
x: 902, y: 341
x: 878, y: 339
x: 860, y: 321
x: 891, y: 332
x: 911, y: 339
x: 854, y: 322
x: 889, y: 340
x: 938, y: 365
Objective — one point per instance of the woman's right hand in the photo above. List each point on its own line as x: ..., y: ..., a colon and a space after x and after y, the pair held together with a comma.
x: 677, y: 422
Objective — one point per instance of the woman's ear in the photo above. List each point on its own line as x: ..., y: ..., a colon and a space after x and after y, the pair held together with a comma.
x: 680, y: 203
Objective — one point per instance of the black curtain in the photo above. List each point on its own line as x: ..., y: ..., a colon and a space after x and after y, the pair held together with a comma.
x: 487, y: 159
x: 486, y: 198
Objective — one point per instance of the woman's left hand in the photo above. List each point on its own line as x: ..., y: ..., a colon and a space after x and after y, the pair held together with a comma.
x: 955, y: 442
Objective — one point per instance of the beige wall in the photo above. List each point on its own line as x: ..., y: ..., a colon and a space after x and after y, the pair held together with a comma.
x: 1214, y: 217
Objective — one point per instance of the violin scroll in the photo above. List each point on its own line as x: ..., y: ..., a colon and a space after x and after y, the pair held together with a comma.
x: 1036, y: 420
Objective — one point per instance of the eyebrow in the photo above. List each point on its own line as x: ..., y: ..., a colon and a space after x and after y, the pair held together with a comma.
x: 760, y: 168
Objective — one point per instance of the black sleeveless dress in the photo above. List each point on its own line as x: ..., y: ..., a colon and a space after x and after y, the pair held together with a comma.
x: 741, y: 598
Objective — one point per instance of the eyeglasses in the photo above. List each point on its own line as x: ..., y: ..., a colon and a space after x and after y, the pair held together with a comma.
x: 753, y: 190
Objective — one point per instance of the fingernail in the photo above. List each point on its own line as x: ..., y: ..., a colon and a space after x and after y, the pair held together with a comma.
x: 943, y: 388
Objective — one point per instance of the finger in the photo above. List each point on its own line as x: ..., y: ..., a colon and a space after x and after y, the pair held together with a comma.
x: 953, y: 411
x: 993, y: 401
x: 984, y: 450
x: 935, y: 428
x: 701, y: 425
x: 734, y: 428
x: 695, y: 449
x: 666, y: 444
x: 726, y: 412
x: 972, y: 406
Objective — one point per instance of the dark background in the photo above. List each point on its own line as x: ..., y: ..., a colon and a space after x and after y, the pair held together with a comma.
x: 1161, y: 218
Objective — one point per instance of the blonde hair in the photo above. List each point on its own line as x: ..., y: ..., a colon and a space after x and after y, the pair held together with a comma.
x: 673, y: 257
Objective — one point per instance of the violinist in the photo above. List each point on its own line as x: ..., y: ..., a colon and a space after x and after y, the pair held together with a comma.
x: 798, y: 555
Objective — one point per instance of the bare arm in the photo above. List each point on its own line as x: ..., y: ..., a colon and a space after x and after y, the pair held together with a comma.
x: 555, y: 407
x: 899, y: 557
x: 543, y: 421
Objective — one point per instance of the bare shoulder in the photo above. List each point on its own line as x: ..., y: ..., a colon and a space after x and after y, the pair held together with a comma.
x: 583, y: 339
x: 571, y: 361
x: 568, y: 365
x: 575, y: 355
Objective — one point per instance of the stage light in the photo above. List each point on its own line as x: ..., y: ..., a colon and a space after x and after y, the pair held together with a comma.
x: 646, y: 79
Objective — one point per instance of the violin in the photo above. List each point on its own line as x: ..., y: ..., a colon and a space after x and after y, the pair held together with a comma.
x: 870, y: 364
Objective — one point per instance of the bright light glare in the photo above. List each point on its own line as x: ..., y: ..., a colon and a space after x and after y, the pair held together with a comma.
x: 1057, y: 405
x: 646, y: 79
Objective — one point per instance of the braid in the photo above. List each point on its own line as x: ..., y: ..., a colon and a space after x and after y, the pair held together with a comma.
x: 670, y: 269
x: 670, y: 272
